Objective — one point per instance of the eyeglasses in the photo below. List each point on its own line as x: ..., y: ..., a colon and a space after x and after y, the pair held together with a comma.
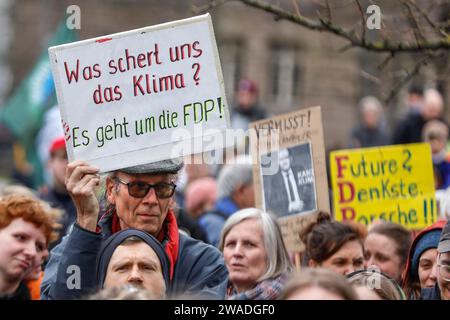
x: 444, y: 271
x: 139, y: 189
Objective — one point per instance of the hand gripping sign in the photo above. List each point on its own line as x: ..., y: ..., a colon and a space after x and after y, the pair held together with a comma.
x: 143, y: 95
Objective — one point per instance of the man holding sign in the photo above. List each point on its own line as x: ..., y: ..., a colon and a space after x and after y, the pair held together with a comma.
x: 129, y: 102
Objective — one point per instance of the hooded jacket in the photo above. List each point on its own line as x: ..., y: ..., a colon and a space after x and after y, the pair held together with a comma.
x: 410, y: 275
x: 195, y: 267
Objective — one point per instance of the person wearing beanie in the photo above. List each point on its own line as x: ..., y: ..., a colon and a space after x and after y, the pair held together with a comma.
x: 441, y: 291
x: 133, y: 257
x: 420, y: 271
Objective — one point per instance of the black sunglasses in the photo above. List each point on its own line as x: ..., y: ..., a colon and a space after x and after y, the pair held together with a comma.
x: 139, y: 189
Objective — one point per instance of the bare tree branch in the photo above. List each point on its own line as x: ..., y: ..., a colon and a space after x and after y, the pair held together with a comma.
x: 385, y: 62
x: 363, y: 25
x: 410, y: 74
x: 323, y: 25
x: 425, y: 16
x: 212, y: 4
x: 370, y: 77
x: 330, y: 17
x: 418, y: 34
x: 297, y: 9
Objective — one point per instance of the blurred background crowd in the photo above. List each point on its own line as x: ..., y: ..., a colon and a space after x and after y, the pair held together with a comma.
x: 274, y: 68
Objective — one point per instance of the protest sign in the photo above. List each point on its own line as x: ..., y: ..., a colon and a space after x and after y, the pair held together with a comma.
x: 143, y: 95
x: 289, y: 171
x: 393, y: 183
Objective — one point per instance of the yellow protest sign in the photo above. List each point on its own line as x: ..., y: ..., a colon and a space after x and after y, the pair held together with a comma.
x: 393, y: 183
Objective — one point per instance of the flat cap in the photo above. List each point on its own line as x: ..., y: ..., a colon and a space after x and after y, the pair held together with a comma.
x: 159, y: 167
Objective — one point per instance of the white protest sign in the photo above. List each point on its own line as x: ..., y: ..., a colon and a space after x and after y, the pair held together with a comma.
x: 143, y: 95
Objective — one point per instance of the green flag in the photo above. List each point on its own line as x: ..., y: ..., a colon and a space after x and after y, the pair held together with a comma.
x: 24, y: 111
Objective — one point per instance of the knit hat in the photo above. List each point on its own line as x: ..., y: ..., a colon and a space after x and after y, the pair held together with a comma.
x: 58, y: 143
x: 429, y: 240
x: 247, y: 85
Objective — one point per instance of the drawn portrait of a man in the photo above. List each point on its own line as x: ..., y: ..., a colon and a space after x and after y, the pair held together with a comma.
x: 291, y: 190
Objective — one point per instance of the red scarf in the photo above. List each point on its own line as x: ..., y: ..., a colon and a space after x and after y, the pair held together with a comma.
x: 171, y: 234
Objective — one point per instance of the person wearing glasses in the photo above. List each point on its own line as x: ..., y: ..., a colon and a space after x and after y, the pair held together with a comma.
x: 138, y: 197
x: 441, y: 291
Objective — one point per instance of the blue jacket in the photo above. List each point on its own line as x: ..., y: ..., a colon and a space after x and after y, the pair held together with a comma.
x: 71, y: 270
x: 213, y: 222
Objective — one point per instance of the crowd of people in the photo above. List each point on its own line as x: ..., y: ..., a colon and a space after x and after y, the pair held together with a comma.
x: 175, y: 230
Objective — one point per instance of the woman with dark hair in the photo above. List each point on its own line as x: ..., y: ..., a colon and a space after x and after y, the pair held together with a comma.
x: 133, y: 257
x: 334, y: 245
x: 386, y: 247
x: 420, y: 271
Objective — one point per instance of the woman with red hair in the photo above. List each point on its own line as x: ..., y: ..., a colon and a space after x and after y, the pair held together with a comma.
x: 27, y: 226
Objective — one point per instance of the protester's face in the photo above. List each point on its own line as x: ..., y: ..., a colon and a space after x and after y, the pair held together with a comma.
x: 247, y: 196
x: 349, y: 258
x: 380, y: 251
x: 245, y: 254
x: 146, y: 213
x: 415, y: 100
x: 437, y: 145
x: 432, y: 108
x: 246, y: 99
x: 35, y: 272
x: 371, y: 117
x: 58, y: 164
x: 284, y: 160
x: 136, y: 264
x: 313, y: 293
x: 427, y: 268
x: 444, y: 285
x: 21, y: 244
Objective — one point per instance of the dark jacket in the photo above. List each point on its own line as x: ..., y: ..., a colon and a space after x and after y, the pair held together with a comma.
x: 64, y: 202
x: 71, y: 270
x: 409, y: 130
x: 22, y: 293
x: 213, y: 222
x: 363, y: 137
x: 276, y: 197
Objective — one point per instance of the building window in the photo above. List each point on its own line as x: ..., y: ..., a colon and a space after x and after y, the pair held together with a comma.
x: 285, y: 77
x: 230, y: 52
